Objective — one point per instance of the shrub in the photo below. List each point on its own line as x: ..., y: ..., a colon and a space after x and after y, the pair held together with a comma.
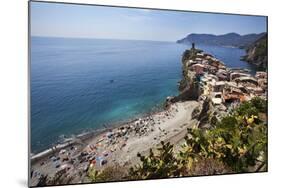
x: 110, y: 173
x: 238, y: 140
x: 237, y: 143
x: 60, y: 177
x: 161, y: 165
x: 208, y: 166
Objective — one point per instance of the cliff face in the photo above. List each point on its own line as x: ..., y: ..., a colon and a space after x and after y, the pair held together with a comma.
x: 257, y: 53
x: 188, y: 87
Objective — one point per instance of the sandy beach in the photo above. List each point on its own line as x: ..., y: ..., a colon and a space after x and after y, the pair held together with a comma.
x: 118, y: 146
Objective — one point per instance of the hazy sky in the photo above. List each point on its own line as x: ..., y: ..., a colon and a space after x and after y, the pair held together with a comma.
x: 65, y: 20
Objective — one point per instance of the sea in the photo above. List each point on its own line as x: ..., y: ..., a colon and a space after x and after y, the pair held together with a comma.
x: 80, y: 85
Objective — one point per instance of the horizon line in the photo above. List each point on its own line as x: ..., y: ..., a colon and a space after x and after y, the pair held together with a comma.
x: 77, y: 37
x: 74, y: 37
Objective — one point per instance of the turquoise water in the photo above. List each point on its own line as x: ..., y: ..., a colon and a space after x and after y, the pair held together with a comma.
x: 82, y: 84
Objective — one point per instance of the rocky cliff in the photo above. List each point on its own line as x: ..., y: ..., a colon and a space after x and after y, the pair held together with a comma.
x: 188, y: 86
x: 257, y: 53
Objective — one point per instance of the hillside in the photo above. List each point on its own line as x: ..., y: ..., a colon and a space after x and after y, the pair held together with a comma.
x: 229, y: 39
x: 257, y: 53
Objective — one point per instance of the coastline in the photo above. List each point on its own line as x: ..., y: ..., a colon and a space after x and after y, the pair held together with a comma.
x: 89, y: 133
x: 119, y: 145
x: 207, y: 91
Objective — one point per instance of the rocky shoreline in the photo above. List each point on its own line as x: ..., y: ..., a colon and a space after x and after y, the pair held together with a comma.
x: 208, y: 91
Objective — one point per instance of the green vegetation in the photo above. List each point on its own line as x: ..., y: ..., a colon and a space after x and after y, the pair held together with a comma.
x: 60, y: 178
x: 190, y: 54
x: 237, y: 143
x: 257, y: 53
x: 110, y: 173
x: 161, y: 165
x: 261, y: 47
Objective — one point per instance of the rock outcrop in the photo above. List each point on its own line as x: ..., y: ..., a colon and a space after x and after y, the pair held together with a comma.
x: 217, y: 88
x: 257, y: 53
x: 188, y: 86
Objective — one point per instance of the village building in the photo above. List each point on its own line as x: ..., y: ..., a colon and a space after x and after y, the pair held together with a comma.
x: 235, y: 75
x: 216, y: 98
x: 198, y: 59
x: 205, y: 61
x: 200, y: 55
x: 225, y: 86
x: 190, y: 63
x: 247, y: 81
x: 261, y: 75
x: 222, y: 75
x: 207, y: 55
x: 219, y: 86
x: 263, y: 83
x: 215, y: 63
x: 233, y: 94
x: 198, y: 68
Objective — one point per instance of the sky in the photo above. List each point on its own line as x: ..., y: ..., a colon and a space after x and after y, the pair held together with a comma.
x: 84, y: 21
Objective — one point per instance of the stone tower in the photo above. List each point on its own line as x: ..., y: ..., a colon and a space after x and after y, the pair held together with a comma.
x: 193, y: 45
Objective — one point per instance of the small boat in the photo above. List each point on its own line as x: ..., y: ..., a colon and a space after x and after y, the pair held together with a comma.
x: 111, y: 81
